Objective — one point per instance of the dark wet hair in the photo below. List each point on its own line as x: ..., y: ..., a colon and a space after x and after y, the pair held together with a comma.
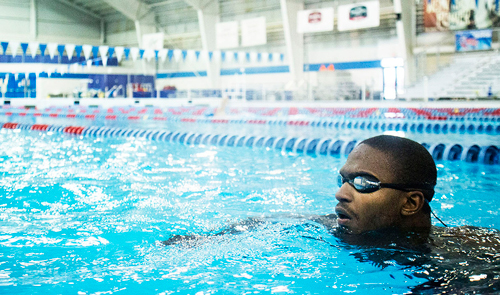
x: 412, y: 163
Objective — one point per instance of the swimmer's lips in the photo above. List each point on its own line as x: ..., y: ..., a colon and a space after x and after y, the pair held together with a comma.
x: 343, y: 216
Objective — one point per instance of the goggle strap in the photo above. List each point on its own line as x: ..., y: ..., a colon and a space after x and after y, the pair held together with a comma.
x: 434, y: 214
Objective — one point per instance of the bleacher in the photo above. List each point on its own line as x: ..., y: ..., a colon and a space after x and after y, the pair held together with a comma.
x: 17, y: 85
x: 467, y: 76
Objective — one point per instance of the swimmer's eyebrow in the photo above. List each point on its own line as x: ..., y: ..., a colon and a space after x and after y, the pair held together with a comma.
x: 357, y: 173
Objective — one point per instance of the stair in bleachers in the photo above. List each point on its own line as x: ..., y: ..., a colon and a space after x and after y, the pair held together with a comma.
x: 467, y: 76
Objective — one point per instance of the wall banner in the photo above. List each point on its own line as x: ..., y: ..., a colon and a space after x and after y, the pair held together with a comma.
x: 227, y: 35
x: 315, y: 20
x: 443, y: 15
x: 473, y: 40
x: 359, y: 16
x: 253, y: 31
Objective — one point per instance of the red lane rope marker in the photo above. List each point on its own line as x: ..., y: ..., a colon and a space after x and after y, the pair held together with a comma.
x: 53, y: 115
x: 10, y: 125
x: 133, y: 117
x: 40, y: 127
x: 71, y: 116
x: 92, y: 117
x: 110, y: 117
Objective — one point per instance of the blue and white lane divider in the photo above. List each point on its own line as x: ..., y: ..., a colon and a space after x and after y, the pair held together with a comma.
x: 338, y: 123
x: 473, y: 153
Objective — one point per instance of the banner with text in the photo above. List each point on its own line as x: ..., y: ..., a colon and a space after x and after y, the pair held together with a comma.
x: 359, y: 16
x: 227, y: 35
x: 473, y: 40
x: 315, y: 20
x: 443, y: 15
x: 253, y: 31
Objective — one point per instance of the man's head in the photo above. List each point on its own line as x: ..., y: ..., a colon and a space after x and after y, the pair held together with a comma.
x: 386, y: 182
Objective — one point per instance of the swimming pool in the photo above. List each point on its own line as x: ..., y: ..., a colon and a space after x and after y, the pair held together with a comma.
x: 86, y: 215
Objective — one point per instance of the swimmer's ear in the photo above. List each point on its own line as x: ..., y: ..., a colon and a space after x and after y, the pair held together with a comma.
x: 414, y: 202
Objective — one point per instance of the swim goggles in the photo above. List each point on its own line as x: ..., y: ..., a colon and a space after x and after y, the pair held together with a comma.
x: 366, y: 184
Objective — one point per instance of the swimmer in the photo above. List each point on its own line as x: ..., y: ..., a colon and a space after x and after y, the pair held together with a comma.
x: 383, y: 210
x: 383, y: 213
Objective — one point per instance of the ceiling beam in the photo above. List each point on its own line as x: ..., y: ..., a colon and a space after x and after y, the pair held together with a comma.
x: 133, y: 9
x: 206, y: 5
x: 81, y: 9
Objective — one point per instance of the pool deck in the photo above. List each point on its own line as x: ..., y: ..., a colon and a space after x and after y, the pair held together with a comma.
x: 215, y: 102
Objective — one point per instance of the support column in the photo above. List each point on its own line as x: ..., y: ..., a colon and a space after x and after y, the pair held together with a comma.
x: 103, y: 31
x: 33, y: 20
x: 406, y: 31
x: 140, y: 13
x: 294, y: 41
x: 208, y: 17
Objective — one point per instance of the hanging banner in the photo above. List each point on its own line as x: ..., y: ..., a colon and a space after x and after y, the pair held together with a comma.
x: 474, y: 14
x: 253, y: 32
x: 70, y: 49
x: 78, y: 50
x: 24, y: 47
x: 315, y: 20
x: 14, y: 46
x: 227, y: 35
x: 134, y: 52
x: 60, y: 49
x: 111, y: 51
x: 276, y: 56
x: 95, y: 52
x: 153, y: 41
x: 33, y: 47
x: 436, y: 15
x: 87, y: 49
x: 127, y: 53
x: 43, y: 47
x: 103, y: 50
x: 358, y: 16
x: 52, y: 47
x: 162, y: 54
x: 444, y: 15
x: 473, y: 40
x: 4, y: 47
x: 149, y: 54
x: 177, y: 55
x: 119, y: 53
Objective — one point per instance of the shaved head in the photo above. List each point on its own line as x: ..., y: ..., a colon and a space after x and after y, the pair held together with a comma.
x: 411, y: 162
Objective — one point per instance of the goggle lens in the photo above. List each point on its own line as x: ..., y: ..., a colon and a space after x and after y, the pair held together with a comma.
x: 361, y: 183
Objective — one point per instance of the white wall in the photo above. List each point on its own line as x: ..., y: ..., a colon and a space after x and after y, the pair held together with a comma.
x: 46, y: 86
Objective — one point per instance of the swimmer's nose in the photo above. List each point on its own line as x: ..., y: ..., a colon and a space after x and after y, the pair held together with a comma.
x: 343, y: 194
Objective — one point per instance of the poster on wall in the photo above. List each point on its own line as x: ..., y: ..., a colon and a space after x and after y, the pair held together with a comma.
x: 443, y: 15
x: 359, y: 16
x: 153, y: 41
x: 473, y: 40
x: 315, y: 20
x: 227, y: 35
x: 253, y: 31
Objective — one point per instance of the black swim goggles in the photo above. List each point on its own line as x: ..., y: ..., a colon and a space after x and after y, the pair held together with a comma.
x: 366, y: 184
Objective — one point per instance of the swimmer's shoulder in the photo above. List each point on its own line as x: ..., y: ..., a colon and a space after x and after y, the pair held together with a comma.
x: 471, y: 236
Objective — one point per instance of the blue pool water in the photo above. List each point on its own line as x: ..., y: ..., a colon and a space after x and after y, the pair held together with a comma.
x: 82, y: 215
